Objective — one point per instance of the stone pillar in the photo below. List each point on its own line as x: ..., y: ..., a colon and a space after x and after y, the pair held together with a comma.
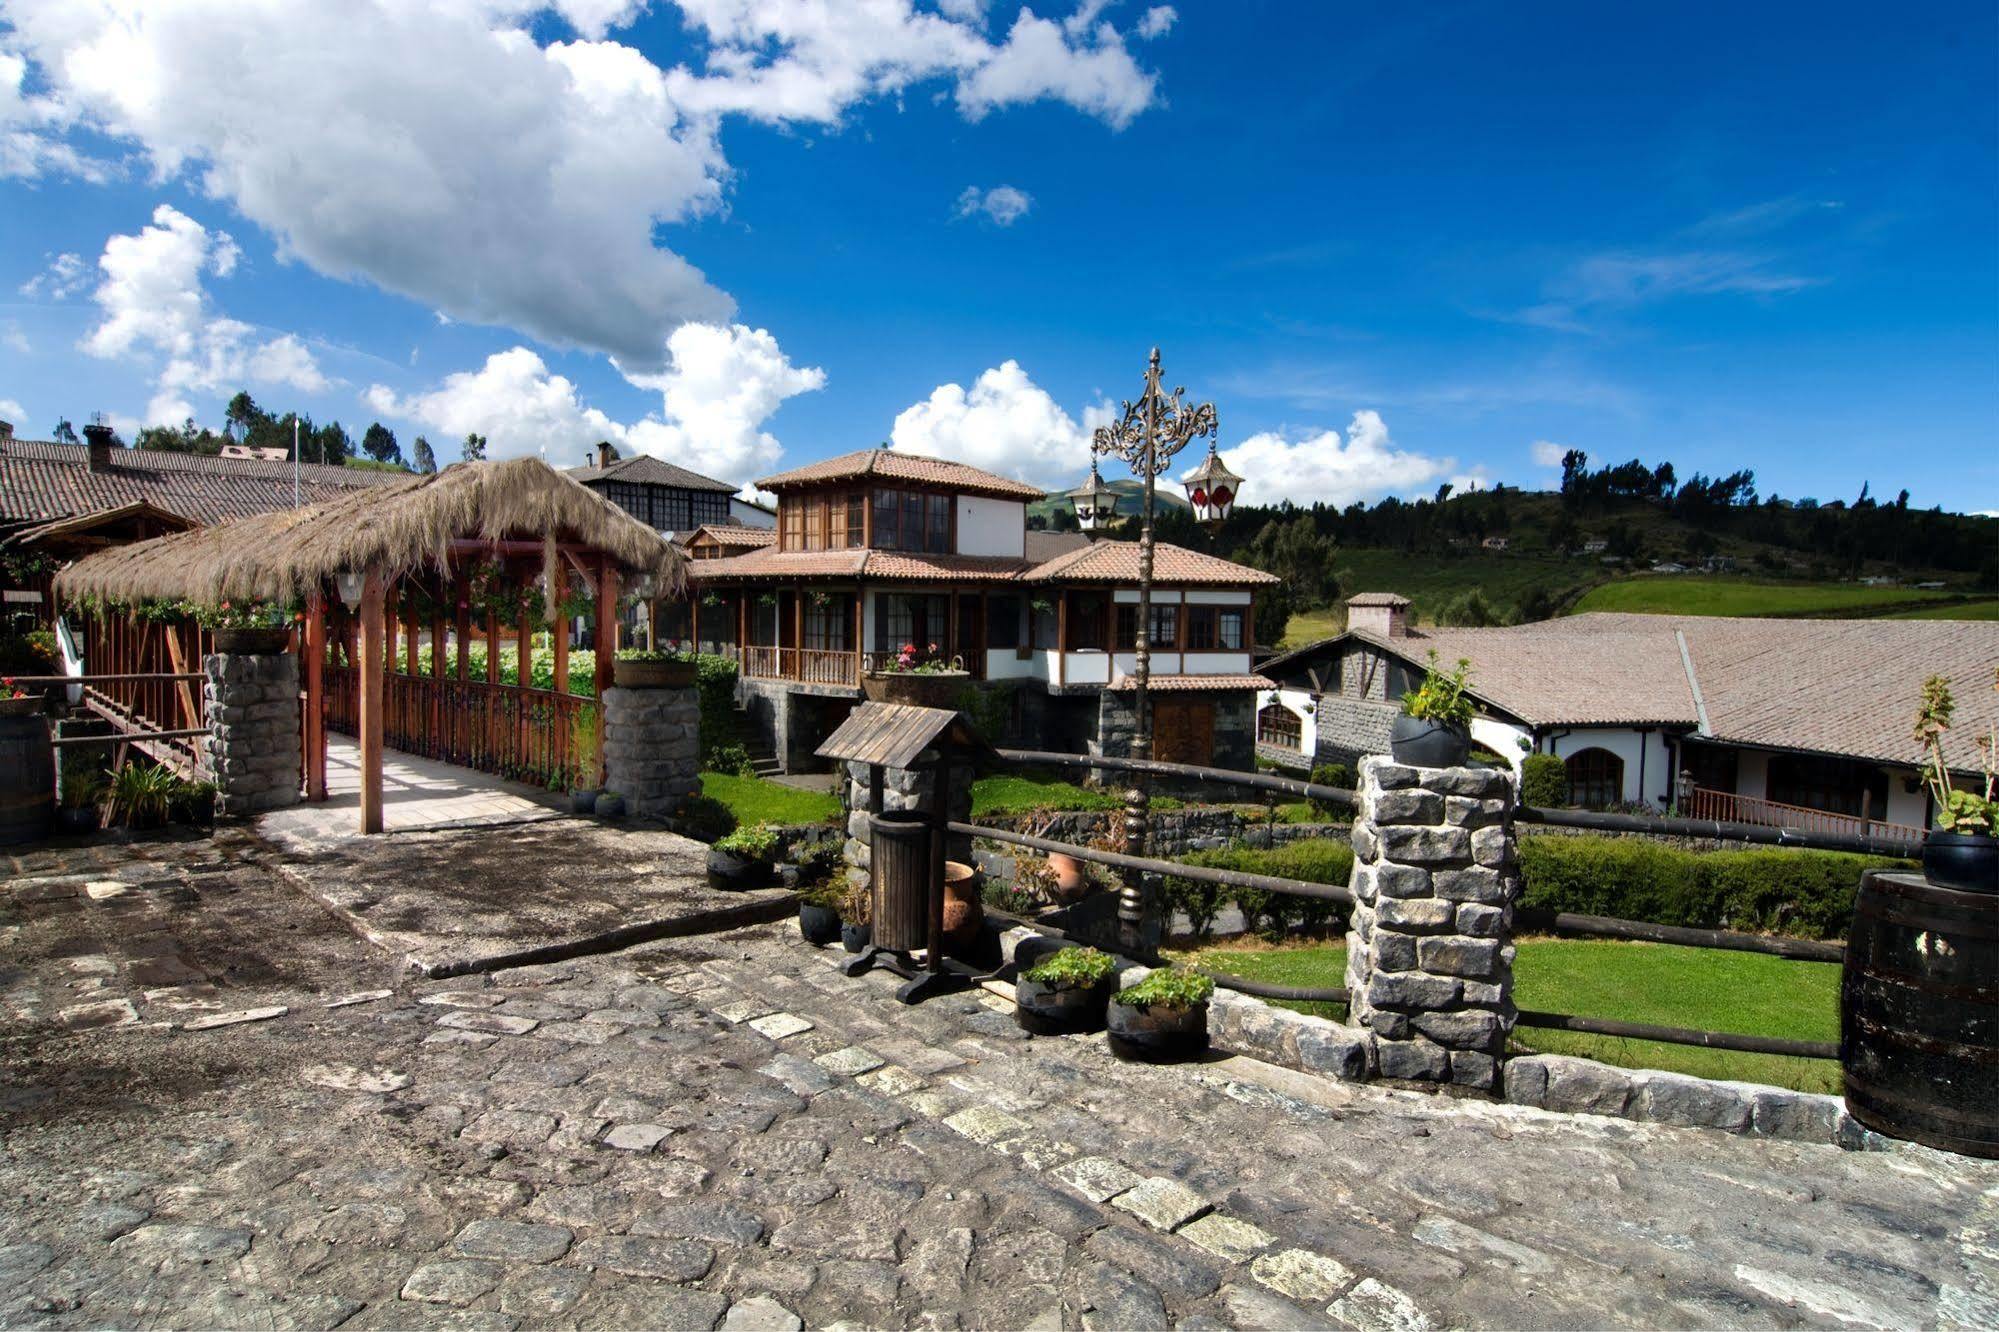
x: 1429, y: 961
x: 903, y: 788
x: 652, y: 748
x: 252, y: 749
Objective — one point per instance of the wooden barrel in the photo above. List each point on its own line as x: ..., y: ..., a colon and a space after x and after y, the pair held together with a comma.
x: 900, y: 862
x: 27, y: 779
x: 1919, y: 1013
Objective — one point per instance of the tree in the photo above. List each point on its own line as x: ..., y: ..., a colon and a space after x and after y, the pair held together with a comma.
x: 187, y: 437
x: 379, y: 443
x: 242, y: 414
x: 474, y: 449
x: 1575, y: 471
x: 1444, y: 492
x: 426, y: 461
x: 65, y: 432
x: 1273, y: 615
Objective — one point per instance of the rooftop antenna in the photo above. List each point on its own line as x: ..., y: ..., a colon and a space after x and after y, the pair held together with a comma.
x: 294, y: 461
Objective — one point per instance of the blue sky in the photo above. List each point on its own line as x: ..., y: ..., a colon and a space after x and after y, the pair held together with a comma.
x: 1394, y: 248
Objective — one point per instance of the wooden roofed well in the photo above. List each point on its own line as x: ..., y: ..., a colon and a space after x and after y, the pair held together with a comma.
x: 427, y: 540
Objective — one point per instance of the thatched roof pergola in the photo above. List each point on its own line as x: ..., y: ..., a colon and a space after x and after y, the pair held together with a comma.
x: 424, y: 527
x: 419, y: 523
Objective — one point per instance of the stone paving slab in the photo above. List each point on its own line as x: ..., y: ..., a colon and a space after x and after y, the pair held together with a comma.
x: 334, y: 1166
x: 461, y: 901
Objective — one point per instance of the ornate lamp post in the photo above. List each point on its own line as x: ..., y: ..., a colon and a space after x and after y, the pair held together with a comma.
x: 1095, y: 502
x: 1147, y: 436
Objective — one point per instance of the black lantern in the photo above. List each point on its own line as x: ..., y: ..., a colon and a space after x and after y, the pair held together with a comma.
x: 1212, y: 488
x: 1095, y: 502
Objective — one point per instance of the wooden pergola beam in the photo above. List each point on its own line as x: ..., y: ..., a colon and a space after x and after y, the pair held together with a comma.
x: 370, y: 706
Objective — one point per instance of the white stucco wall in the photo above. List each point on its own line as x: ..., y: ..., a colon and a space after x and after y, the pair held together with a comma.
x: 1643, y: 753
x: 1299, y: 703
x: 991, y: 526
x: 1502, y: 738
x: 1910, y: 808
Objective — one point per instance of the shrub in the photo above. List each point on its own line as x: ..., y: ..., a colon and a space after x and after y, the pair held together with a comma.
x: 818, y: 861
x: 1332, y: 774
x: 707, y: 818
x: 1011, y: 898
x: 1318, y: 860
x: 1072, y: 968
x: 1808, y: 894
x: 758, y: 843
x: 1544, y: 781
x: 729, y: 758
x: 715, y: 684
x: 1168, y: 987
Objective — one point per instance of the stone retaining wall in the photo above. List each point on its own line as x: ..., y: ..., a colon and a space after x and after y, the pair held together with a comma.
x: 252, y: 748
x: 652, y: 748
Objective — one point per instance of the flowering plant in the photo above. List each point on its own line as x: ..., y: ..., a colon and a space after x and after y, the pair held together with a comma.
x: 8, y: 689
x: 908, y: 660
x: 248, y: 615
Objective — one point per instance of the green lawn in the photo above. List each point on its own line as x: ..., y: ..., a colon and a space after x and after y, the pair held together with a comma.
x: 1431, y: 580
x: 1637, y: 982
x: 1702, y: 594
x: 754, y: 800
x: 1036, y: 793
x: 1974, y: 610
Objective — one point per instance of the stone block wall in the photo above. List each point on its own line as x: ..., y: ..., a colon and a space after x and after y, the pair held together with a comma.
x: 252, y: 749
x: 652, y: 748
x: 1234, y: 733
x: 1428, y: 959
x: 902, y: 788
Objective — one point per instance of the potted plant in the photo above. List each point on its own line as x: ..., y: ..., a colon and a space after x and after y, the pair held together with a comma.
x: 16, y: 701
x: 819, y: 915
x: 643, y: 668
x: 916, y: 678
x: 857, y: 912
x: 248, y: 628
x: 610, y: 806
x: 1434, y: 727
x: 141, y: 796
x: 744, y: 858
x: 1065, y: 991
x: 1164, y: 1016
x: 1962, y: 851
x: 583, y: 761
x: 82, y: 791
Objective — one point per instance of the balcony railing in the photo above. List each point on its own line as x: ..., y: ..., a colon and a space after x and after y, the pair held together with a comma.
x: 1731, y: 808
x: 820, y: 666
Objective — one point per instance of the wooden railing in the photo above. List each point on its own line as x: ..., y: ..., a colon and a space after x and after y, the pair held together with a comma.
x: 523, y: 734
x: 1727, y: 807
x: 819, y: 666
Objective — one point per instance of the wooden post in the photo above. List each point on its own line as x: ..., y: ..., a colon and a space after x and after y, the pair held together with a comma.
x: 693, y: 618
x: 797, y: 633
x: 607, y: 623
x: 860, y: 627
x: 742, y: 632
x: 390, y: 658
x: 315, y: 696
x: 560, y: 632
x: 523, y: 681
x: 438, y: 656
x: 370, y: 727
x: 461, y: 599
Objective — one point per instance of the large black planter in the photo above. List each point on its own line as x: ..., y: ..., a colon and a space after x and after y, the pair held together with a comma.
x: 1968, y: 862
x: 1158, y: 1033
x: 820, y: 925
x: 1050, y: 1010
x: 736, y: 873
x: 1428, y: 744
x: 583, y: 800
x: 854, y: 938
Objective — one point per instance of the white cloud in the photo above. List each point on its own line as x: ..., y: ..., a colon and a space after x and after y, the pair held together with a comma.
x: 1326, y: 468
x: 153, y: 304
x: 439, y: 151
x: 13, y: 413
x: 1004, y: 204
x: 1547, y: 453
x: 1006, y: 423
x: 13, y: 339
x: 31, y: 129
x: 1156, y: 22
x: 719, y: 387
x: 66, y: 275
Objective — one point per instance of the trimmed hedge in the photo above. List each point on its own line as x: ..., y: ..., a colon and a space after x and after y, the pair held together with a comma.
x: 1318, y: 860
x: 1805, y: 894
x: 715, y: 685
x: 1544, y: 781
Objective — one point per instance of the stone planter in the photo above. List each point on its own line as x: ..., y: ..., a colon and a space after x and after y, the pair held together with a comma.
x: 1052, y: 1010
x: 1158, y: 1033
x: 1428, y: 744
x: 652, y: 674
x: 922, y: 689
x: 583, y: 801
x: 819, y: 925
x: 248, y: 642
x: 610, y: 806
x: 854, y: 938
x: 736, y: 873
x: 1968, y: 862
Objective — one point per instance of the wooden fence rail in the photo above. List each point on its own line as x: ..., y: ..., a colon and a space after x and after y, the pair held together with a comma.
x: 523, y: 734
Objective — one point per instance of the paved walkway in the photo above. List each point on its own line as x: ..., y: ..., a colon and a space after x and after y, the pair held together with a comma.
x: 417, y: 793
x: 725, y: 1131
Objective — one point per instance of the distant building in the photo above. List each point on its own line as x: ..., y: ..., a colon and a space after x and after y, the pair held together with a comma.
x: 669, y: 499
x: 265, y: 454
x: 1785, y: 722
x: 1495, y: 543
x: 1595, y: 546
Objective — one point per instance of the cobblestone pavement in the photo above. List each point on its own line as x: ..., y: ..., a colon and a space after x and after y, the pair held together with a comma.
x: 725, y: 1131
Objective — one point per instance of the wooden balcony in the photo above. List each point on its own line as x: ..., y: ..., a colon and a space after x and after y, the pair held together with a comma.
x: 1730, y: 808
x: 814, y: 666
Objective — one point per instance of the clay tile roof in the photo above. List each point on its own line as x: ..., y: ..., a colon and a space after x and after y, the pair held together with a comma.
x: 769, y: 563
x: 1189, y: 684
x: 724, y: 534
x: 644, y: 469
x: 41, y: 481
x: 888, y: 465
x: 1117, y: 562
x: 956, y: 568
x: 1377, y: 599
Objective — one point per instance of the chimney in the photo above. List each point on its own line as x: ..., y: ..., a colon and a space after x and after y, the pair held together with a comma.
x: 1382, y: 614
x: 603, y: 453
x: 97, y: 436
x: 6, y: 430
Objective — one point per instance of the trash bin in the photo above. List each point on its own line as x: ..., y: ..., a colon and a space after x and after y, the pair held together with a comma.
x: 900, y: 861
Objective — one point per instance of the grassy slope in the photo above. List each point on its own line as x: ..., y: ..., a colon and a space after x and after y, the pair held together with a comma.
x: 754, y: 800
x: 1681, y: 987
x: 1699, y: 594
x: 1976, y: 610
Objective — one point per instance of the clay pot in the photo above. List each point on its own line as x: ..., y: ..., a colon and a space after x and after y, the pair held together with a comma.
x: 964, y: 911
x: 820, y: 925
x: 1071, y: 879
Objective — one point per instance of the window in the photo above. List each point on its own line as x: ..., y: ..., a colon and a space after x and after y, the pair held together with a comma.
x: 828, y: 620
x: 913, y: 520
x: 857, y: 520
x: 1201, y: 628
x: 1279, y: 725
x: 902, y: 617
x: 1003, y: 622
x: 1837, y: 786
x: 1596, y: 778
x: 1086, y: 621
x: 1228, y: 630
x: 1165, y: 625
x: 1043, y: 623
x: 791, y: 523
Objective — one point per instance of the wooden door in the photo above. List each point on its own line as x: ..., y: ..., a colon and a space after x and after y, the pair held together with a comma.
x: 1183, y: 729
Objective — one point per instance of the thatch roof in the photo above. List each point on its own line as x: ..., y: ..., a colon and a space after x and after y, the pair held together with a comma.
x: 396, y: 528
